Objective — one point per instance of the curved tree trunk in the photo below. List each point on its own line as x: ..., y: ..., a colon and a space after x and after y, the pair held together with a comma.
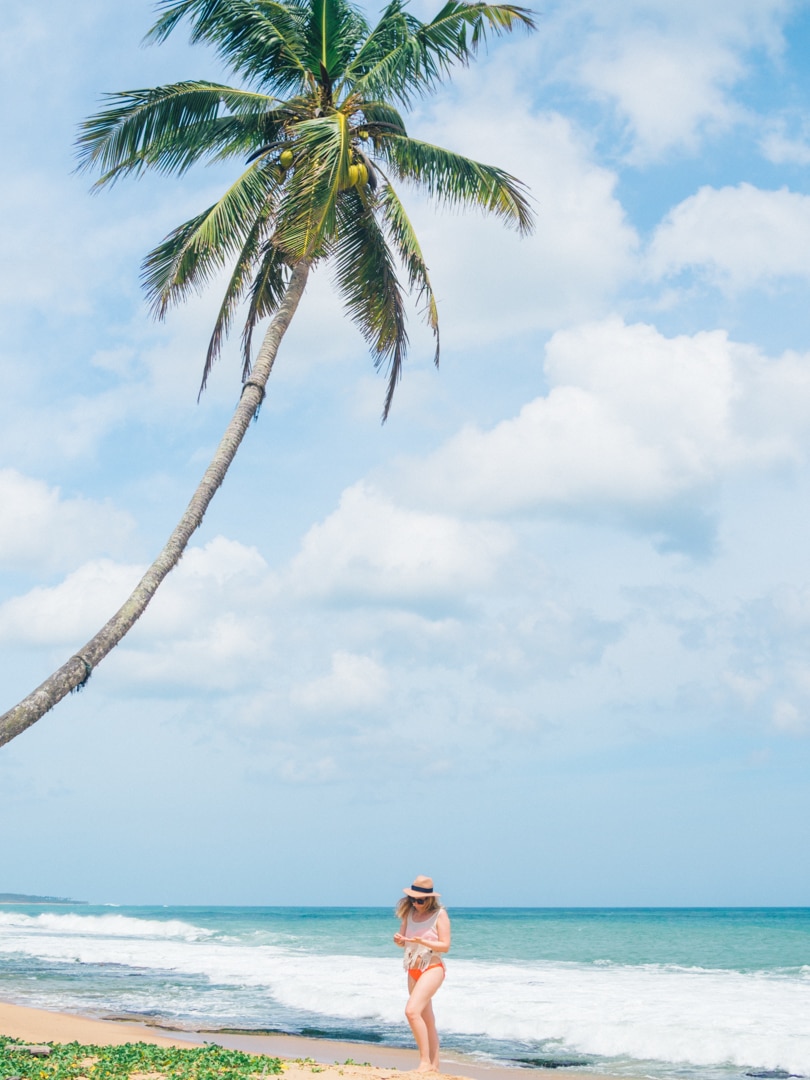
x: 76, y: 671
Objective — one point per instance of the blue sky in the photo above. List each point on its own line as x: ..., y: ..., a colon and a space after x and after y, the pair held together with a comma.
x: 544, y: 635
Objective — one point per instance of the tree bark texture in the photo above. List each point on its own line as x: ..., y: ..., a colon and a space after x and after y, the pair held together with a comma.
x: 76, y: 671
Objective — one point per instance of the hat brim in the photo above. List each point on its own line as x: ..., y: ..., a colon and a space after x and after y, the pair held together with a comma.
x: 419, y: 895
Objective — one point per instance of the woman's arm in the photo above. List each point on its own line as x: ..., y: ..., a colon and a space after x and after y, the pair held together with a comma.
x: 399, y: 937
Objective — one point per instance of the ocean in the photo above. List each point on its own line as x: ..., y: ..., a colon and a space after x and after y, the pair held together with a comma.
x: 716, y: 994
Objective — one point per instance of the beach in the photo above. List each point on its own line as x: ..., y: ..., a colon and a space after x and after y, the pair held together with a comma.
x: 674, y: 994
x: 40, y: 1026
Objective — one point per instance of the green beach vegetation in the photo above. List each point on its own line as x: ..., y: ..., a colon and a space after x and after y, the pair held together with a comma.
x: 74, y: 1061
x: 315, y: 127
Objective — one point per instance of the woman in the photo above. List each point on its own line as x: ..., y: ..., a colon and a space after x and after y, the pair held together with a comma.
x: 424, y: 934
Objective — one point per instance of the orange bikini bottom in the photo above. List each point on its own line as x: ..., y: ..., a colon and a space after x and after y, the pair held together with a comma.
x: 417, y: 973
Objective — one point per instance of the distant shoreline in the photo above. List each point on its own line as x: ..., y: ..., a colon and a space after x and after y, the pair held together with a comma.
x: 20, y: 898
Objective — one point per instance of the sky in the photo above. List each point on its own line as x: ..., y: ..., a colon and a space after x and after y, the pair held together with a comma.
x: 545, y: 634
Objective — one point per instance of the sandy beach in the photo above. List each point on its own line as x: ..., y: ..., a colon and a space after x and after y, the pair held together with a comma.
x: 301, y: 1055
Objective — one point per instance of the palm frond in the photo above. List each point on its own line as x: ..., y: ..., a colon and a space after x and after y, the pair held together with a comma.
x: 196, y: 251
x: 366, y: 277
x: 240, y: 279
x: 321, y: 93
x: 457, y: 180
x: 390, y: 65
x: 169, y: 128
x: 406, y: 244
x: 334, y: 29
x: 461, y: 28
x: 391, y: 29
x: 306, y: 214
x: 404, y: 57
x: 382, y: 118
x: 267, y: 291
x: 264, y: 40
x: 174, y: 11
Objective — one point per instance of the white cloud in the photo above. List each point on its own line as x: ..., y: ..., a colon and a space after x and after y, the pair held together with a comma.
x: 740, y: 237
x: 68, y: 254
x: 354, y: 682
x: 209, y: 627
x: 631, y: 417
x: 221, y: 560
x: 69, y: 430
x: 541, y: 633
x: 151, y: 374
x: 225, y: 650
x: 746, y: 689
x: 184, y: 607
x: 39, y: 527
x: 492, y: 285
x: 308, y: 771
x: 71, y: 611
x: 634, y: 423
x: 781, y: 148
x: 371, y: 548
x: 670, y: 69
x: 768, y: 672
x: 222, y: 573
x: 666, y: 88
x: 789, y: 719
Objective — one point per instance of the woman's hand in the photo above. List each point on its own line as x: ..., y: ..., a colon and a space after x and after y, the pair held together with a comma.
x: 399, y: 939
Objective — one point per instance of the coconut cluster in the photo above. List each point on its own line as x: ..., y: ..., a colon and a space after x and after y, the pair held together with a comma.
x: 357, y: 171
x: 358, y: 175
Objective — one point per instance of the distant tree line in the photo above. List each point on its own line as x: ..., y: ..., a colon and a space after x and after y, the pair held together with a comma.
x: 23, y: 898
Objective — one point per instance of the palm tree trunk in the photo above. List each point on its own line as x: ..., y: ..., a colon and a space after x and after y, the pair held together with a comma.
x: 76, y: 671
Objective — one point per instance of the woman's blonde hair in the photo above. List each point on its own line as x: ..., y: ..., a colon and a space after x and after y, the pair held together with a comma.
x: 406, y: 904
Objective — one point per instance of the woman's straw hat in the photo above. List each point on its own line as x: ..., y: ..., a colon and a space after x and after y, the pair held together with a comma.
x: 422, y: 886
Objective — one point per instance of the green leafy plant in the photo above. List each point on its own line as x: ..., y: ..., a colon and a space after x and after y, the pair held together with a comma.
x: 75, y: 1061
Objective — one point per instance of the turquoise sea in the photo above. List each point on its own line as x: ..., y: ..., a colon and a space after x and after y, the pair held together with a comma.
x: 681, y: 993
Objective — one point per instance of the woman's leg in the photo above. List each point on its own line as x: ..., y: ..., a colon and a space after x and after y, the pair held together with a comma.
x: 419, y: 1014
x: 433, y: 1035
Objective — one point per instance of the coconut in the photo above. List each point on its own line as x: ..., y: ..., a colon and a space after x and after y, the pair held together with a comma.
x: 286, y: 159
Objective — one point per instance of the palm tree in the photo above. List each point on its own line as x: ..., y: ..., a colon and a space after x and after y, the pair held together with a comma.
x: 316, y: 123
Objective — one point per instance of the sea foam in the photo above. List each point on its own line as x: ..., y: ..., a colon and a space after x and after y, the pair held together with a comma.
x: 620, y: 1013
x: 104, y: 926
